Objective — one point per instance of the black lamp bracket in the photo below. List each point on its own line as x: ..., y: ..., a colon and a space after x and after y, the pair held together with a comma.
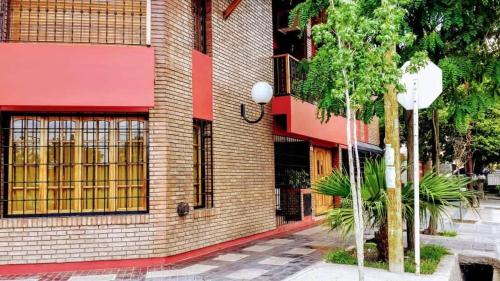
x: 243, y: 114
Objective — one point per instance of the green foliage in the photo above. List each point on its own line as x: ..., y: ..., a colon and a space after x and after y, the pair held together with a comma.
x: 487, y: 135
x: 352, y: 47
x: 469, y: 87
x: 462, y: 37
x: 340, y: 257
x: 369, y: 246
x: 448, y: 233
x: 436, y: 193
x: 306, y: 10
x: 298, y: 178
x: 430, y: 256
x: 426, y: 266
x: 433, y: 252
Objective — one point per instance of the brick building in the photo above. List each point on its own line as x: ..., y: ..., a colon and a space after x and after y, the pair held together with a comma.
x: 116, y: 117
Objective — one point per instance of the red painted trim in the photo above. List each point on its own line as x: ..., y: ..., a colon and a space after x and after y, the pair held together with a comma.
x: 35, y: 108
x: 230, y: 9
x: 302, y: 119
x: 16, y: 269
x: 76, y: 76
x: 202, y: 93
x: 313, y: 141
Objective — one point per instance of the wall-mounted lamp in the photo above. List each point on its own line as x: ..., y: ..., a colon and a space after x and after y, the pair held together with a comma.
x: 262, y: 93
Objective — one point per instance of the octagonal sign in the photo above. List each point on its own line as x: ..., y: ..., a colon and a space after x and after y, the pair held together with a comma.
x: 428, y: 83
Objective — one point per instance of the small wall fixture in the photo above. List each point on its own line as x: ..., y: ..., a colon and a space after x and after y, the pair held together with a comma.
x: 262, y: 93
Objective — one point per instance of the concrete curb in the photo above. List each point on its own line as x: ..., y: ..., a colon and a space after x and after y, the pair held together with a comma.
x: 448, y: 270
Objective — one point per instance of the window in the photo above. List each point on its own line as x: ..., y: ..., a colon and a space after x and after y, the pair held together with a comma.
x: 67, y: 164
x: 202, y: 25
x: 202, y: 164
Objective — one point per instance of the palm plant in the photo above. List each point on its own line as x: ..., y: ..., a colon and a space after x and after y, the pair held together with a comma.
x: 437, y: 192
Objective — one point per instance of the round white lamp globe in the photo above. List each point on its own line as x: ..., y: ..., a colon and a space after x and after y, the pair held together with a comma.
x: 262, y: 92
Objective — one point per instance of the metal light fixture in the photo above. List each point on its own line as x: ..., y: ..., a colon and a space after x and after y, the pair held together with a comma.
x: 262, y: 93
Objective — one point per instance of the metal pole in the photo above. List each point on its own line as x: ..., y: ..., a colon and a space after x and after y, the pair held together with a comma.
x: 461, y: 219
x: 148, y: 22
x: 416, y: 179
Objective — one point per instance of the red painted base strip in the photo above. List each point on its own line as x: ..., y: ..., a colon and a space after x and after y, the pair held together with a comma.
x: 14, y: 269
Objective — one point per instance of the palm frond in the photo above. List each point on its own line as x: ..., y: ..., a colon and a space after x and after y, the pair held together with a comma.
x: 336, y: 184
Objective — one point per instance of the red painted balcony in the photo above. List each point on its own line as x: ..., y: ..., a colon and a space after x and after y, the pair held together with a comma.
x: 125, y: 22
x: 65, y: 55
x: 297, y: 118
x: 70, y: 77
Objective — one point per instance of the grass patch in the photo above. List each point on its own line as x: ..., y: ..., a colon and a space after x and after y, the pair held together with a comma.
x: 430, y: 256
x: 448, y: 233
x: 340, y: 257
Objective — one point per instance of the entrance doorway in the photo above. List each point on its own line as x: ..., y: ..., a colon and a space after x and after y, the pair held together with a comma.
x: 323, y: 165
x: 293, y: 197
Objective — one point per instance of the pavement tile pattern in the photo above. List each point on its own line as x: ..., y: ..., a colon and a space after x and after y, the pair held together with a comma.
x: 270, y: 259
x: 292, y: 255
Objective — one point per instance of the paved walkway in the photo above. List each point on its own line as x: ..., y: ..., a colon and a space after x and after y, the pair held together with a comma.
x: 298, y: 256
x: 478, y: 232
x: 271, y: 259
x: 478, y: 240
x: 339, y: 272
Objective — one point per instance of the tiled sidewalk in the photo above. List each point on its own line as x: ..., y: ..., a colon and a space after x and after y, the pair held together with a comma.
x: 269, y: 259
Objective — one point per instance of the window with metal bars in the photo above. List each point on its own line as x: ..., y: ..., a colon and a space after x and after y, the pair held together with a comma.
x: 74, y: 164
x: 201, y: 18
x: 74, y: 21
x: 202, y: 164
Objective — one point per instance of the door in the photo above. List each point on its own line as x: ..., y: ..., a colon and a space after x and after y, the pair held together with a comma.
x: 322, y: 164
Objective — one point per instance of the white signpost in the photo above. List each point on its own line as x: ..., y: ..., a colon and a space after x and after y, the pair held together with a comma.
x: 422, y: 88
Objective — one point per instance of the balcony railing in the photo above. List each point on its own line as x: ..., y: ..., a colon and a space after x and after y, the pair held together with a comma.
x: 125, y: 22
x: 285, y: 74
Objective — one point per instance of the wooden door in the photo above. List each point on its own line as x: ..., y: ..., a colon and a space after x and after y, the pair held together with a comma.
x: 322, y: 164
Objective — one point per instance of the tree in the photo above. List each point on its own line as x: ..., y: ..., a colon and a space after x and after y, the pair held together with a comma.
x: 355, y: 65
x: 437, y: 192
x: 486, y: 141
x: 462, y: 38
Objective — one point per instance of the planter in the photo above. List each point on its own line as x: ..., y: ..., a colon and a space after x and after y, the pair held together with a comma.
x: 295, y: 203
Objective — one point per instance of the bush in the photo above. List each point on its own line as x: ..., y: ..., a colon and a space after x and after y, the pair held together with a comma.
x: 433, y: 252
x: 448, y: 233
x: 341, y: 257
x: 426, y: 266
x: 430, y: 256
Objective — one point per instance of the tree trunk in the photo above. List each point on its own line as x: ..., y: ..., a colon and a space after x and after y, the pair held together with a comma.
x: 382, y: 238
x: 358, y: 228
x: 469, y: 170
x: 433, y: 226
x: 393, y: 172
x: 410, y: 233
x: 358, y: 177
x: 436, y: 150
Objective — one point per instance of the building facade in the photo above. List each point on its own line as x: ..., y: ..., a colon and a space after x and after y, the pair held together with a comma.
x: 121, y: 129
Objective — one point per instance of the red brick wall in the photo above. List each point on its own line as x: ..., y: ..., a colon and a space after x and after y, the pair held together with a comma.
x: 374, y: 131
